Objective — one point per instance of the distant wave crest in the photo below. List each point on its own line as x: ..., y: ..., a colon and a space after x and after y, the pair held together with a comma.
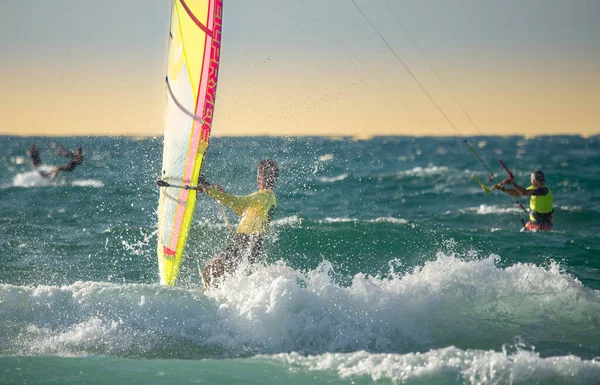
x: 492, y: 209
x: 423, y: 171
x: 34, y: 178
x: 332, y: 179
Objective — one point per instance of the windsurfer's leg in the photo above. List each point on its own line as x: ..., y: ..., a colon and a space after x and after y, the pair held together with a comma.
x: 213, y: 269
x: 225, y: 262
x: 254, y: 247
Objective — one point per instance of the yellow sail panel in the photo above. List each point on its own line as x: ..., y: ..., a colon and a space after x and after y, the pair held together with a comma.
x: 194, y: 49
x: 191, y: 34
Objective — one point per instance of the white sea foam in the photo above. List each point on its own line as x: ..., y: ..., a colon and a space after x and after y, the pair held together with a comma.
x: 571, y: 208
x: 17, y: 159
x: 87, y: 183
x: 398, y: 221
x: 292, y: 221
x: 332, y: 179
x: 424, y: 171
x: 452, y: 366
x: 138, y: 248
x: 214, y: 224
x: 34, y: 178
x: 295, y: 221
x: 325, y: 158
x: 274, y: 309
x: 337, y: 220
x: 492, y: 209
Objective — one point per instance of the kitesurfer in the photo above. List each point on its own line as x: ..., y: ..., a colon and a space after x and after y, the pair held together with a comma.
x: 255, y: 210
x: 51, y: 171
x: 541, y: 204
x: 34, y: 155
x: 76, y: 159
x: 36, y: 161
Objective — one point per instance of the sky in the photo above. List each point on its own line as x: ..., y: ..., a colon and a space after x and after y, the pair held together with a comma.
x: 310, y: 67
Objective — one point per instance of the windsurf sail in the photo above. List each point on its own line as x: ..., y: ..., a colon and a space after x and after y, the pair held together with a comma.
x: 191, y: 84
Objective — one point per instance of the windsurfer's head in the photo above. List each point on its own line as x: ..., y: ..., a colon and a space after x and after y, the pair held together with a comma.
x: 268, y: 172
x: 537, y: 178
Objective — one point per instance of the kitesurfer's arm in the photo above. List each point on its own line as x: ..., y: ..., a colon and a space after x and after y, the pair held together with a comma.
x: 34, y: 154
x: 500, y: 186
x: 517, y: 192
x: 62, y: 152
x: 520, y: 191
x: 75, y: 156
x: 237, y: 203
x: 511, y: 192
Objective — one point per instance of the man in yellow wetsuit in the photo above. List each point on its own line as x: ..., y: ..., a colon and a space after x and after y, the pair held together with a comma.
x: 541, y: 204
x: 255, y: 210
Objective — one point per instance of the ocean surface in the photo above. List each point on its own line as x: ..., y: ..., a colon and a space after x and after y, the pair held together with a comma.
x: 386, y: 263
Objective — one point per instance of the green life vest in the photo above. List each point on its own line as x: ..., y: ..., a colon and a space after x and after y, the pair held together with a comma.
x: 541, y: 204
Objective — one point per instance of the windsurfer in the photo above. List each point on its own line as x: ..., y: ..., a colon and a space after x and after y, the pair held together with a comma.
x: 255, y: 211
x: 541, y: 203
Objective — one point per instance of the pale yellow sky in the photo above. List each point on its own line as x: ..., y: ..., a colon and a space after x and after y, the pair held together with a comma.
x: 303, y: 103
x: 295, y: 76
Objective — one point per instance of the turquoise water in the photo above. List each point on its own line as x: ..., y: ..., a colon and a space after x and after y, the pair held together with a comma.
x: 386, y: 263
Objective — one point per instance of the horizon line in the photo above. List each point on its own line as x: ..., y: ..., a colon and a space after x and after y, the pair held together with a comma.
x: 332, y: 136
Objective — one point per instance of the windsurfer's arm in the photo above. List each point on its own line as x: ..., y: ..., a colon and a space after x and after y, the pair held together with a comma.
x: 237, y: 203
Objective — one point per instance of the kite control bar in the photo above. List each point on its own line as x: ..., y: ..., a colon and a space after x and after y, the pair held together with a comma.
x: 510, y: 174
x: 483, y: 186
